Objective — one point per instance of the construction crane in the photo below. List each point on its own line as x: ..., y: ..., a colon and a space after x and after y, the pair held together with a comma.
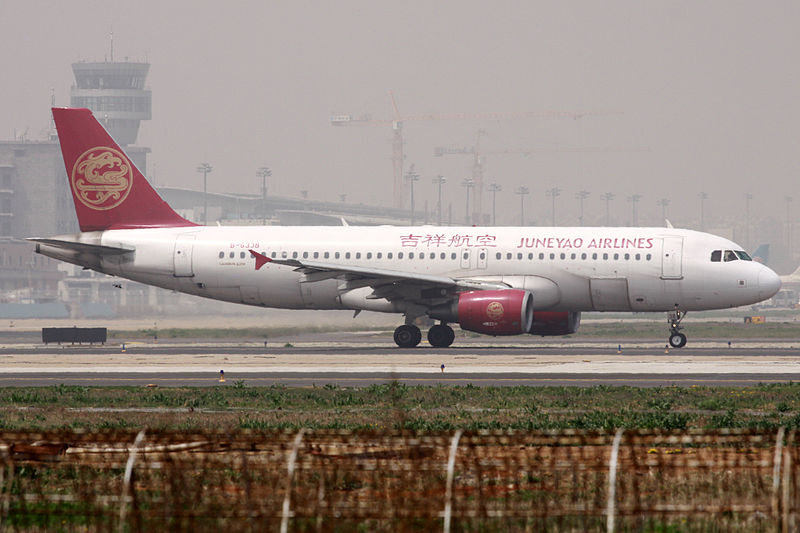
x: 400, y: 188
x: 479, y: 159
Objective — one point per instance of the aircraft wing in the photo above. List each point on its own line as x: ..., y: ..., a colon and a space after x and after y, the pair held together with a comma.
x: 389, y: 284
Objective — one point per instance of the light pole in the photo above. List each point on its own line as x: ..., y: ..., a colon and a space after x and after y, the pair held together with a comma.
x: 494, y: 188
x: 581, y: 196
x: 411, y: 177
x: 553, y: 193
x: 747, y: 197
x: 608, y: 197
x: 633, y: 200
x: 664, y: 202
x: 522, y: 192
x: 468, y: 183
x: 439, y: 180
x: 264, y: 173
x: 205, y: 168
x: 703, y: 197
x: 788, y: 200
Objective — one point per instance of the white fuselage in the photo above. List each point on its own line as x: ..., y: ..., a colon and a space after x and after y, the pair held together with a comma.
x: 566, y: 269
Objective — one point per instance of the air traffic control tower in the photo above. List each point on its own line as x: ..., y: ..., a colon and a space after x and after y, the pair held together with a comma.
x: 115, y: 93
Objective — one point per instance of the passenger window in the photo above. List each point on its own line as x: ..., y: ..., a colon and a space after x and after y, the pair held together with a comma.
x: 563, y: 255
x: 241, y: 255
x: 627, y: 257
x: 616, y: 256
x: 552, y: 256
x: 594, y: 255
x: 284, y: 255
x: 230, y: 255
x: 347, y: 255
x: 400, y: 255
x: 730, y: 256
x: 221, y: 255
x: 444, y: 256
x: 605, y: 257
x: 716, y: 256
x: 498, y: 255
x: 648, y: 257
x: 583, y: 256
x: 316, y: 255
x: 411, y: 255
x: 358, y: 255
x: 573, y: 256
x: 530, y: 256
x: 389, y: 255
x: 453, y: 256
x: 466, y: 255
x: 638, y: 257
x: 294, y: 255
x: 519, y: 255
x: 274, y: 255
x: 327, y: 255
x: 508, y: 255
x: 378, y: 255
x: 433, y: 255
x: 305, y: 255
x: 336, y: 255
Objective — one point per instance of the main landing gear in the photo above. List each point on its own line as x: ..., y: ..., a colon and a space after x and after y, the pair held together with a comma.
x: 676, y: 338
x: 409, y: 335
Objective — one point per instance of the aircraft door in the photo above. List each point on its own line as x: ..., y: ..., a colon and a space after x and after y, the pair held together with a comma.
x: 182, y: 257
x: 466, y: 258
x: 609, y: 294
x: 672, y: 258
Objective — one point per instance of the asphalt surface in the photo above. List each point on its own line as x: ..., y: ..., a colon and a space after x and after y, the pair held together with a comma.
x: 364, y: 359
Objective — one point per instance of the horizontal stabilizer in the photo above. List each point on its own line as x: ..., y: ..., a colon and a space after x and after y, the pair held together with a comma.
x: 83, y: 247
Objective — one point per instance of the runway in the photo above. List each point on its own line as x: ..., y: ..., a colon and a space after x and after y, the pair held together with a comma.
x: 353, y: 361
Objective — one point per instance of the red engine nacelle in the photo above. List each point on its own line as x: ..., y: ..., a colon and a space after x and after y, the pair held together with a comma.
x: 495, y: 312
x: 555, y: 322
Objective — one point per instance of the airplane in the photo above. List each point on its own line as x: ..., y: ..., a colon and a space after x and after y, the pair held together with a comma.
x: 489, y: 280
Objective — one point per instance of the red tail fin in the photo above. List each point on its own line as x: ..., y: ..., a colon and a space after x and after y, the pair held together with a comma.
x: 108, y: 190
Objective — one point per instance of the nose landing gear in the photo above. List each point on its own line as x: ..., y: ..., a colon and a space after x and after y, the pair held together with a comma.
x: 676, y: 338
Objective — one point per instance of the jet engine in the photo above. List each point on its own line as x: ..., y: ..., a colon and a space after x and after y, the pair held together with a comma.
x: 547, y: 323
x: 491, y: 312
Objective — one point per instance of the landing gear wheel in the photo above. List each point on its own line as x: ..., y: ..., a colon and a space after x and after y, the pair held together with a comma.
x: 677, y: 340
x: 407, y: 336
x: 441, y: 336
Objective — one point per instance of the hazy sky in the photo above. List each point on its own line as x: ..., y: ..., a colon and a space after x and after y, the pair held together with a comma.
x: 711, y: 89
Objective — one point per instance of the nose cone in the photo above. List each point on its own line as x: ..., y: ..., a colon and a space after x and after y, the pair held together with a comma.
x: 768, y: 283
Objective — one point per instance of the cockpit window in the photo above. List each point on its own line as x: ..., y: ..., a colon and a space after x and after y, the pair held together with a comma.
x: 730, y: 255
x: 743, y: 255
x: 716, y: 256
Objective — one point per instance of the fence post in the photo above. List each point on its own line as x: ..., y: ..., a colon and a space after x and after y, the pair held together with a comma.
x: 289, y: 475
x: 612, y: 481
x: 451, y: 464
x: 787, y: 474
x: 126, y: 482
x: 776, y: 475
x: 5, y: 484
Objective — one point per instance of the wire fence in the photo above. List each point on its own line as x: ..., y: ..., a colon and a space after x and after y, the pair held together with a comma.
x: 312, y: 480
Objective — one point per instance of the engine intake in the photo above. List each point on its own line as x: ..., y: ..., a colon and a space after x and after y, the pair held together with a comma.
x: 491, y: 312
x: 546, y: 323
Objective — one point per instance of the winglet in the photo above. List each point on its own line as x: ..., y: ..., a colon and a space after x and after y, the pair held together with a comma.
x: 261, y: 259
